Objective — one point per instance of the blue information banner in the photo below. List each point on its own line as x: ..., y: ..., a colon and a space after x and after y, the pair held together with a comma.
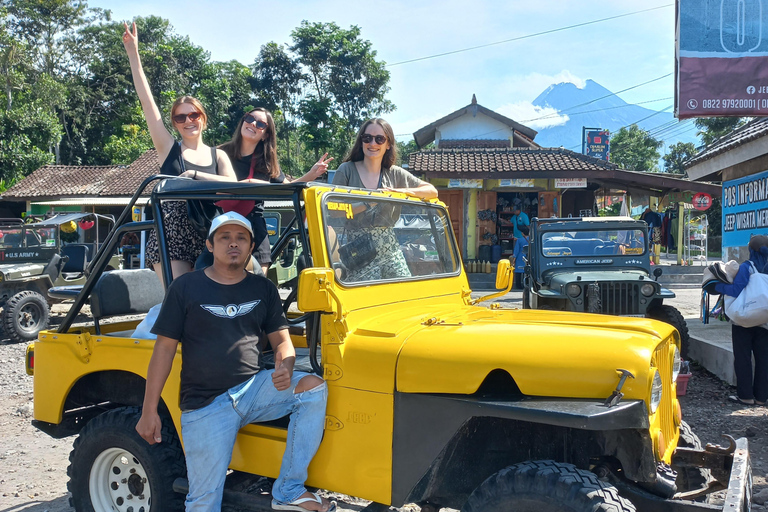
x: 745, y: 209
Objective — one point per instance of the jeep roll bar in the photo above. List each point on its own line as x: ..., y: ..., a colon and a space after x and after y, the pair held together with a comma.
x: 182, y: 189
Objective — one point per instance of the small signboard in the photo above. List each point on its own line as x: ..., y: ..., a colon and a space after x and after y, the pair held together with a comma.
x: 597, y: 144
x: 455, y: 183
x: 702, y: 201
x: 570, y: 182
x: 519, y: 183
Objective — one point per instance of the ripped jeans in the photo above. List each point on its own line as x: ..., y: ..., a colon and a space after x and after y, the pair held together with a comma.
x: 209, y: 436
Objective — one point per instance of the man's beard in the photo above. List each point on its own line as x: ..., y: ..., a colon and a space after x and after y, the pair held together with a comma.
x: 234, y: 266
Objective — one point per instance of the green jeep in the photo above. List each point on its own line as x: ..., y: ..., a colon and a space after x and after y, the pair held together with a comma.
x: 32, y: 260
x: 596, y: 265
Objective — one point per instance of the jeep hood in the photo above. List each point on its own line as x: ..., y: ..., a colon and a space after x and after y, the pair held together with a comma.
x: 547, y: 353
x: 21, y: 270
x: 558, y: 277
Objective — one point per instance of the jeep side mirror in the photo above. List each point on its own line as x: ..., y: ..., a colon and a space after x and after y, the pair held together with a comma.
x: 503, y: 275
x: 657, y: 272
x: 313, y: 290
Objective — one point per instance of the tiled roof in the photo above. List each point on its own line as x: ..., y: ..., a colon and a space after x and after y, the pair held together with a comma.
x: 473, y: 143
x: 503, y: 160
x: 747, y: 133
x: 85, y: 180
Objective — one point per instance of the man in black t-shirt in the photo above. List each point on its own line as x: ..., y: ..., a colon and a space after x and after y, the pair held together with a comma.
x: 218, y: 315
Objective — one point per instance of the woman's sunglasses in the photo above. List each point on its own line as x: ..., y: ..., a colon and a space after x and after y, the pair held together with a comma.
x: 261, y: 125
x: 182, y: 118
x: 367, y: 139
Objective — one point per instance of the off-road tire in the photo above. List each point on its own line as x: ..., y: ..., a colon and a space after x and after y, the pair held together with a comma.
x: 545, y: 486
x: 526, y: 298
x: 673, y: 317
x: 109, y: 447
x: 689, y: 479
x: 24, y: 316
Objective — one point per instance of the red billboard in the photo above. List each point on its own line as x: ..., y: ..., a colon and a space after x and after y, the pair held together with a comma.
x: 721, y: 57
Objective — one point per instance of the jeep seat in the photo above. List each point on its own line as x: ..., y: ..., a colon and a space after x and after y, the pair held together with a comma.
x: 77, y: 261
x: 125, y: 292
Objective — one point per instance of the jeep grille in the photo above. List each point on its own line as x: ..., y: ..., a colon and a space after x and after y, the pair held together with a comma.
x: 615, y: 299
x: 662, y: 357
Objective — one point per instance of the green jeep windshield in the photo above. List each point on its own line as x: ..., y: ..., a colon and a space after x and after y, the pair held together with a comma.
x: 377, y: 239
x: 18, y: 237
x: 589, y: 243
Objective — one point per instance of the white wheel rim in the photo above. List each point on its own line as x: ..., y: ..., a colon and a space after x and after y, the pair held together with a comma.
x: 119, y: 482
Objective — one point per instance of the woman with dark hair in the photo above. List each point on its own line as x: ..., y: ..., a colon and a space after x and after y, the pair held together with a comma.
x: 189, y: 158
x: 253, y: 152
x: 370, y: 164
x: 748, y: 341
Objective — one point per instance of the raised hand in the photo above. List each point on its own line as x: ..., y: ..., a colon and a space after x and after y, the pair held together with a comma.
x: 131, y: 39
x: 320, y: 168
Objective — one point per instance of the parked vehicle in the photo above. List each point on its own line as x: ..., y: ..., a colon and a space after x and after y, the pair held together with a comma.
x: 32, y: 260
x: 597, y: 265
x: 432, y: 399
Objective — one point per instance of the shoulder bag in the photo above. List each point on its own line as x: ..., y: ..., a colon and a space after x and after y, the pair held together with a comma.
x: 750, y: 308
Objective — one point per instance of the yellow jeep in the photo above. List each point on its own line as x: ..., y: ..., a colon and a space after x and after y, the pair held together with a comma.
x: 433, y: 399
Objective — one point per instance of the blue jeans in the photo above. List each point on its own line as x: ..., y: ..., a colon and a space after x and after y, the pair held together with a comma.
x: 209, y: 436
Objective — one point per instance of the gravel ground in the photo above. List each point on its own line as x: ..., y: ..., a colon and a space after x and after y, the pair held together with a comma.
x: 33, y: 466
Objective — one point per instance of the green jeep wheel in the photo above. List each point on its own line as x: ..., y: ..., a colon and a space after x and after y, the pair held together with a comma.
x: 673, y: 317
x: 24, y: 316
x: 545, y: 486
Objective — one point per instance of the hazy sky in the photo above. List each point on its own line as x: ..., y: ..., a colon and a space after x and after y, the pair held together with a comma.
x: 617, y: 53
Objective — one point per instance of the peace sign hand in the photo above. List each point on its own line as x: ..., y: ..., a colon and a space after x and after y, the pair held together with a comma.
x: 320, y: 168
x: 131, y: 39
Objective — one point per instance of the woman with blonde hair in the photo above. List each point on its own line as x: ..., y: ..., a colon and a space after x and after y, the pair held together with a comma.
x: 189, y: 158
x: 253, y: 152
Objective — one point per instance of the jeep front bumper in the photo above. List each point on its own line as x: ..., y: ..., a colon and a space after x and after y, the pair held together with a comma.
x: 730, y: 467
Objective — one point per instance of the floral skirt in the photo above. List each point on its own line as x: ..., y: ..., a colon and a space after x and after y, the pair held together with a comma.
x: 389, y: 262
x: 184, y: 241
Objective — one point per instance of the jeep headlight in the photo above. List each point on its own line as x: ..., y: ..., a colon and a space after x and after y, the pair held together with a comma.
x: 647, y: 289
x: 655, y: 391
x: 677, y: 362
x: 573, y: 290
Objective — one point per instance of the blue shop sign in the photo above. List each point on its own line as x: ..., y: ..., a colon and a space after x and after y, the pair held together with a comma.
x: 745, y: 209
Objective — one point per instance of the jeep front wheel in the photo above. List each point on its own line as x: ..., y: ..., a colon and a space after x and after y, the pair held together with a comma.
x: 545, y: 486
x: 25, y: 315
x: 673, y: 317
x: 113, y: 468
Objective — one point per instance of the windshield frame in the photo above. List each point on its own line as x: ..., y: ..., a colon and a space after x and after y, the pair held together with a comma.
x: 448, y: 256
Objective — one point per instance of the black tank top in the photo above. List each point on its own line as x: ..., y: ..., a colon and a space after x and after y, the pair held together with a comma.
x: 172, y: 163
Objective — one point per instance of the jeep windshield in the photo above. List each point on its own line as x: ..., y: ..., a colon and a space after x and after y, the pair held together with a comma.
x: 23, y: 237
x: 381, y: 239
x: 556, y: 244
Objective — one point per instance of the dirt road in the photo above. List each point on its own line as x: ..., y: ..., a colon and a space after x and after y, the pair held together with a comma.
x: 33, y: 466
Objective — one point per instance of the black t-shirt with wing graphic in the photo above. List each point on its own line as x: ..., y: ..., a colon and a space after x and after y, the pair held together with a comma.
x: 219, y: 327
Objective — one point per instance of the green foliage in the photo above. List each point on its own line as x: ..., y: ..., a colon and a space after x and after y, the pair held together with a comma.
x: 68, y: 94
x: 27, y: 132
x: 612, y: 210
x: 635, y: 149
x: 677, y: 155
x: 404, y: 149
x: 712, y: 128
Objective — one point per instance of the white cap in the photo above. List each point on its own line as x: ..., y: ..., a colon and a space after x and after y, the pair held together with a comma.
x: 230, y: 218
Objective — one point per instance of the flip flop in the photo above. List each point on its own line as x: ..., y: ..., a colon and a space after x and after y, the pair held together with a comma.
x: 734, y: 398
x: 295, y: 505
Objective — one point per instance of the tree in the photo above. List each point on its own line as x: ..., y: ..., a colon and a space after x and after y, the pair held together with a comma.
x: 712, y: 128
x: 677, y: 155
x: 635, y: 149
x: 26, y: 132
x: 343, y: 74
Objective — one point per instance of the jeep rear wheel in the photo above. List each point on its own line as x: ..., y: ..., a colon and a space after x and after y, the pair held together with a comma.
x: 25, y: 315
x: 113, y: 468
x: 545, y: 486
x: 673, y: 317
